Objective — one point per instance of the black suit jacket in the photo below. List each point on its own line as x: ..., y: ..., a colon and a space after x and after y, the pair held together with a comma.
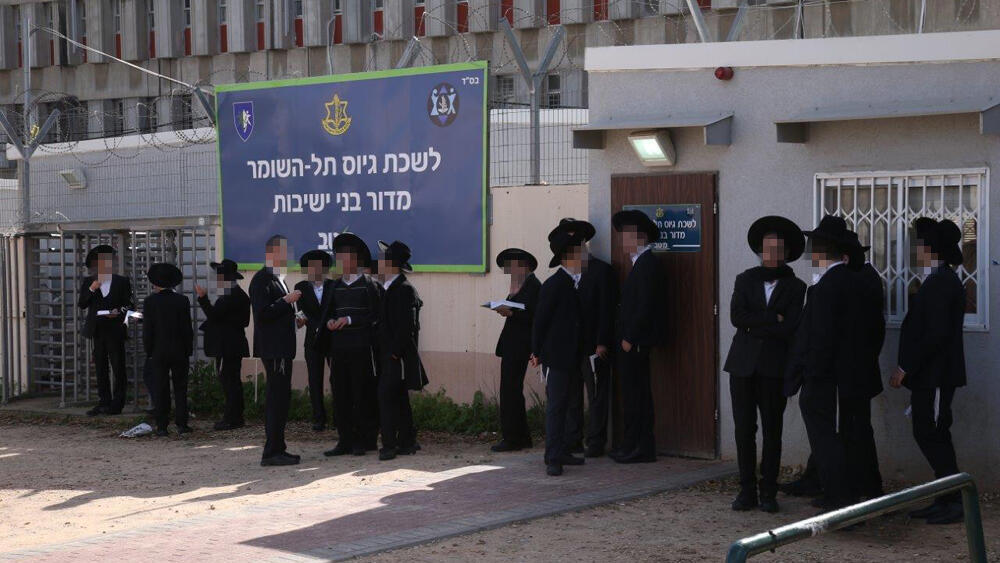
x: 599, y: 297
x: 225, y: 324
x: 119, y: 297
x: 515, y: 338
x: 868, y: 331
x: 931, y: 350
x: 824, y: 347
x: 557, y: 329
x: 313, y: 310
x: 641, y: 315
x: 166, y: 326
x: 273, y: 318
x: 761, y: 343
x: 398, y: 326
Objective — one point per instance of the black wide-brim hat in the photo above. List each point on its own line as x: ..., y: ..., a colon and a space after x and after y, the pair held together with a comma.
x: 560, y: 244
x: 834, y: 230
x: 314, y: 255
x: 856, y: 252
x: 942, y: 236
x: 227, y: 269
x: 637, y: 219
x: 351, y: 241
x: 517, y: 254
x: 164, y: 275
x: 786, y: 229
x: 397, y: 253
x: 96, y: 251
x: 577, y: 226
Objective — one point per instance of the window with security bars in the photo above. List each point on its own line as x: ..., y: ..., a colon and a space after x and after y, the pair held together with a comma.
x: 881, y: 207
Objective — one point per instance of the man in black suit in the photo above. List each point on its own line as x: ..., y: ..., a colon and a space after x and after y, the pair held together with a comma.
x: 556, y: 344
x: 932, y: 356
x: 351, y: 325
x: 765, y: 310
x: 514, y: 347
x: 640, y: 327
x: 402, y: 369
x: 225, y: 337
x: 106, y: 297
x: 168, y: 339
x: 274, y: 343
x: 599, y: 298
x: 315, y: 294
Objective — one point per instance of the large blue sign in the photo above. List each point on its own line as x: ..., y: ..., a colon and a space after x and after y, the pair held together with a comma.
x: 680, y: 226
x: 386, y: 155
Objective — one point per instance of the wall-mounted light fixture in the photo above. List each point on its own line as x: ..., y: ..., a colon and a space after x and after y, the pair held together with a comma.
x: 653, y: 147
x: 74, y: 178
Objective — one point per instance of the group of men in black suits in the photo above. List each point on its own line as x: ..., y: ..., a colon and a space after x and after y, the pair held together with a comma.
x: 571, y: 327
x: 828, y: 351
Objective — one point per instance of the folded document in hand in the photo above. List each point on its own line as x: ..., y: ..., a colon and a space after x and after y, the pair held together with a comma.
x: 503, y: 303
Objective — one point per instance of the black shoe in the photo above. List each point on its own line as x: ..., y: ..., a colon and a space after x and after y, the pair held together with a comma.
x: 416, y: 446
x: 318, y: 427
x: 571, y: 460
x: 185, y: 429
x: 162, y: 432
x: 801, y: 488
x: 594, y: 451
x: 769, y: 505
x: 553, y: 470
x: 385, y: 454
x: 340, y: 449
x: 950, y: 513
x: 744, y: 501
x: 928, y: 511
x: 297, y: 458
x: 617, y: 454
x: 278, y: 460
x: 222, y: 425
x: 406, y: 450
x: 505, y: 446
x: 358, y: 451
x: 576, y: 448
x: 113, y: 411
x: 96, y: 411
x: 636, y: 457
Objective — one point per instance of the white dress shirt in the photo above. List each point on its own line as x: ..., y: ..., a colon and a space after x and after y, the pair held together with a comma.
x: 318, y: 290
x: 349, y: 279
x: 389, y: 281
x: 106, y: 287
x: 819, y: 276
x: 576, y: 277
x: 639, y: 252
x: 769, y: 289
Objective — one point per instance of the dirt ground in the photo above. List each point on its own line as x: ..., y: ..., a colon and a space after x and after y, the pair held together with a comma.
x: 66, y: 479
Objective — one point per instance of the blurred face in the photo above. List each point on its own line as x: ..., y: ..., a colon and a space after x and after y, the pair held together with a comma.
x: 105, y: 265
x: 517, y: 268
x: 348, y: 260
x: 385, y: 267
x: 221, y: 283
x: 632, y: 239
x: 572, y: 259
x: 315, y: 270
x: 924, y: 256
x: 773, y: 251
x: 277, y: 256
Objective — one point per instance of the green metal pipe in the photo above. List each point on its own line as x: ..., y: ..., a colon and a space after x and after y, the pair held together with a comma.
x: 745, y: 548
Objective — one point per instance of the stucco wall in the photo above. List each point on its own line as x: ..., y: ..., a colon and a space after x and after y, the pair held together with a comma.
x: 758, y: 176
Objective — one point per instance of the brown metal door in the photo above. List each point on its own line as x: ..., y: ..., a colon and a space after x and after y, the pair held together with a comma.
x: 684, y: 370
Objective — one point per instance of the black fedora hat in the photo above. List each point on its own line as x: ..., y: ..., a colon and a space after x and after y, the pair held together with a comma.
x: 942, y: 236
x: 517, y: 254
x: 96, y: 251
x: 577, y: 226
x: 397, y: 253
x: 314, y: 255
x: 856, y: 251
x: 164, y: 275
x: 786, y: 229
x: 560, y: 243
x: 227, y: 269
x: 834, y: 230
x: 637, y: 219
x: 351, y: 241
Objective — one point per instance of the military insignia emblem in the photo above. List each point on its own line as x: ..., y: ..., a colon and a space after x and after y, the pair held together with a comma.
x: 442, y: 104
x: 243, y: 119
x: 659, y: 213
x: 337, y: 121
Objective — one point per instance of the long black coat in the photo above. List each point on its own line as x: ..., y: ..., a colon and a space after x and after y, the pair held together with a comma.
x: 225, y: 324
x: 599, y: 297
x: 313, y: 310
x: 398, y: 327
x: 557, y: 330
x: 761, y: 343
x: 515, y: 338
x: 166, y: 326
x: 119, y: 297
x: 641, y: 315
x: 931, y: 350
x: 823, y: 345
x: 273, y: 318
x: 868, y: 331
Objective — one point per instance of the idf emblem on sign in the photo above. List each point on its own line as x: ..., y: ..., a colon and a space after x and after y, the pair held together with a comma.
x: 337, y: 121
x: 243, y: 119
x: 442, y: 104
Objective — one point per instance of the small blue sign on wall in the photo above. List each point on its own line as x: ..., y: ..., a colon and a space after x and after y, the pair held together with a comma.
x: 680, y: 226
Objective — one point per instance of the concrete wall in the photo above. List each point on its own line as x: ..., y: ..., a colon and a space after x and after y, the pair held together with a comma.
x: 758, y: 176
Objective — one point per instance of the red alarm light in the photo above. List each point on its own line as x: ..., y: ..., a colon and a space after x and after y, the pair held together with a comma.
x: 724, y: 72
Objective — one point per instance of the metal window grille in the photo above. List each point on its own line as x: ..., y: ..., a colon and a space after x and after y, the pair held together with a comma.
x: 151, y: 16
x: 553, y: 91
x: 259, y: 10
x: 222, y: 12
x: 881, y: 207
x: 116, y: 15
x: 187, y: 13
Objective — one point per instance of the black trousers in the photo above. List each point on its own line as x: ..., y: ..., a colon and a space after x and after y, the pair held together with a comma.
x: 933, y: 435
x: 637, y: 398
x: 858, y: 438
x: 818, y: 402
x: 277, y: 397
x: 395, y: 413
x: 149, y: 380
x: 597, y: 382
x: 557, y: 384
x: 751, y: 395
x: 513, y: 416
x: 167, y: 371
x: 352, y: 376
x: 230, y: 377
x: 316, y: 366
x: 110, y: 350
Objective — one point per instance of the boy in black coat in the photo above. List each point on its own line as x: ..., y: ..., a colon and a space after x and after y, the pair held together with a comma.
x: 932, y: 356
x: 316, y: 293
x: 765, y: 310
x: 640, y: 327
x: 274, y: 343
x: 514, y: 347
x: 556, y: 344
x: 225, y: 337
x: 110, y: 295
x: 168, y: 339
